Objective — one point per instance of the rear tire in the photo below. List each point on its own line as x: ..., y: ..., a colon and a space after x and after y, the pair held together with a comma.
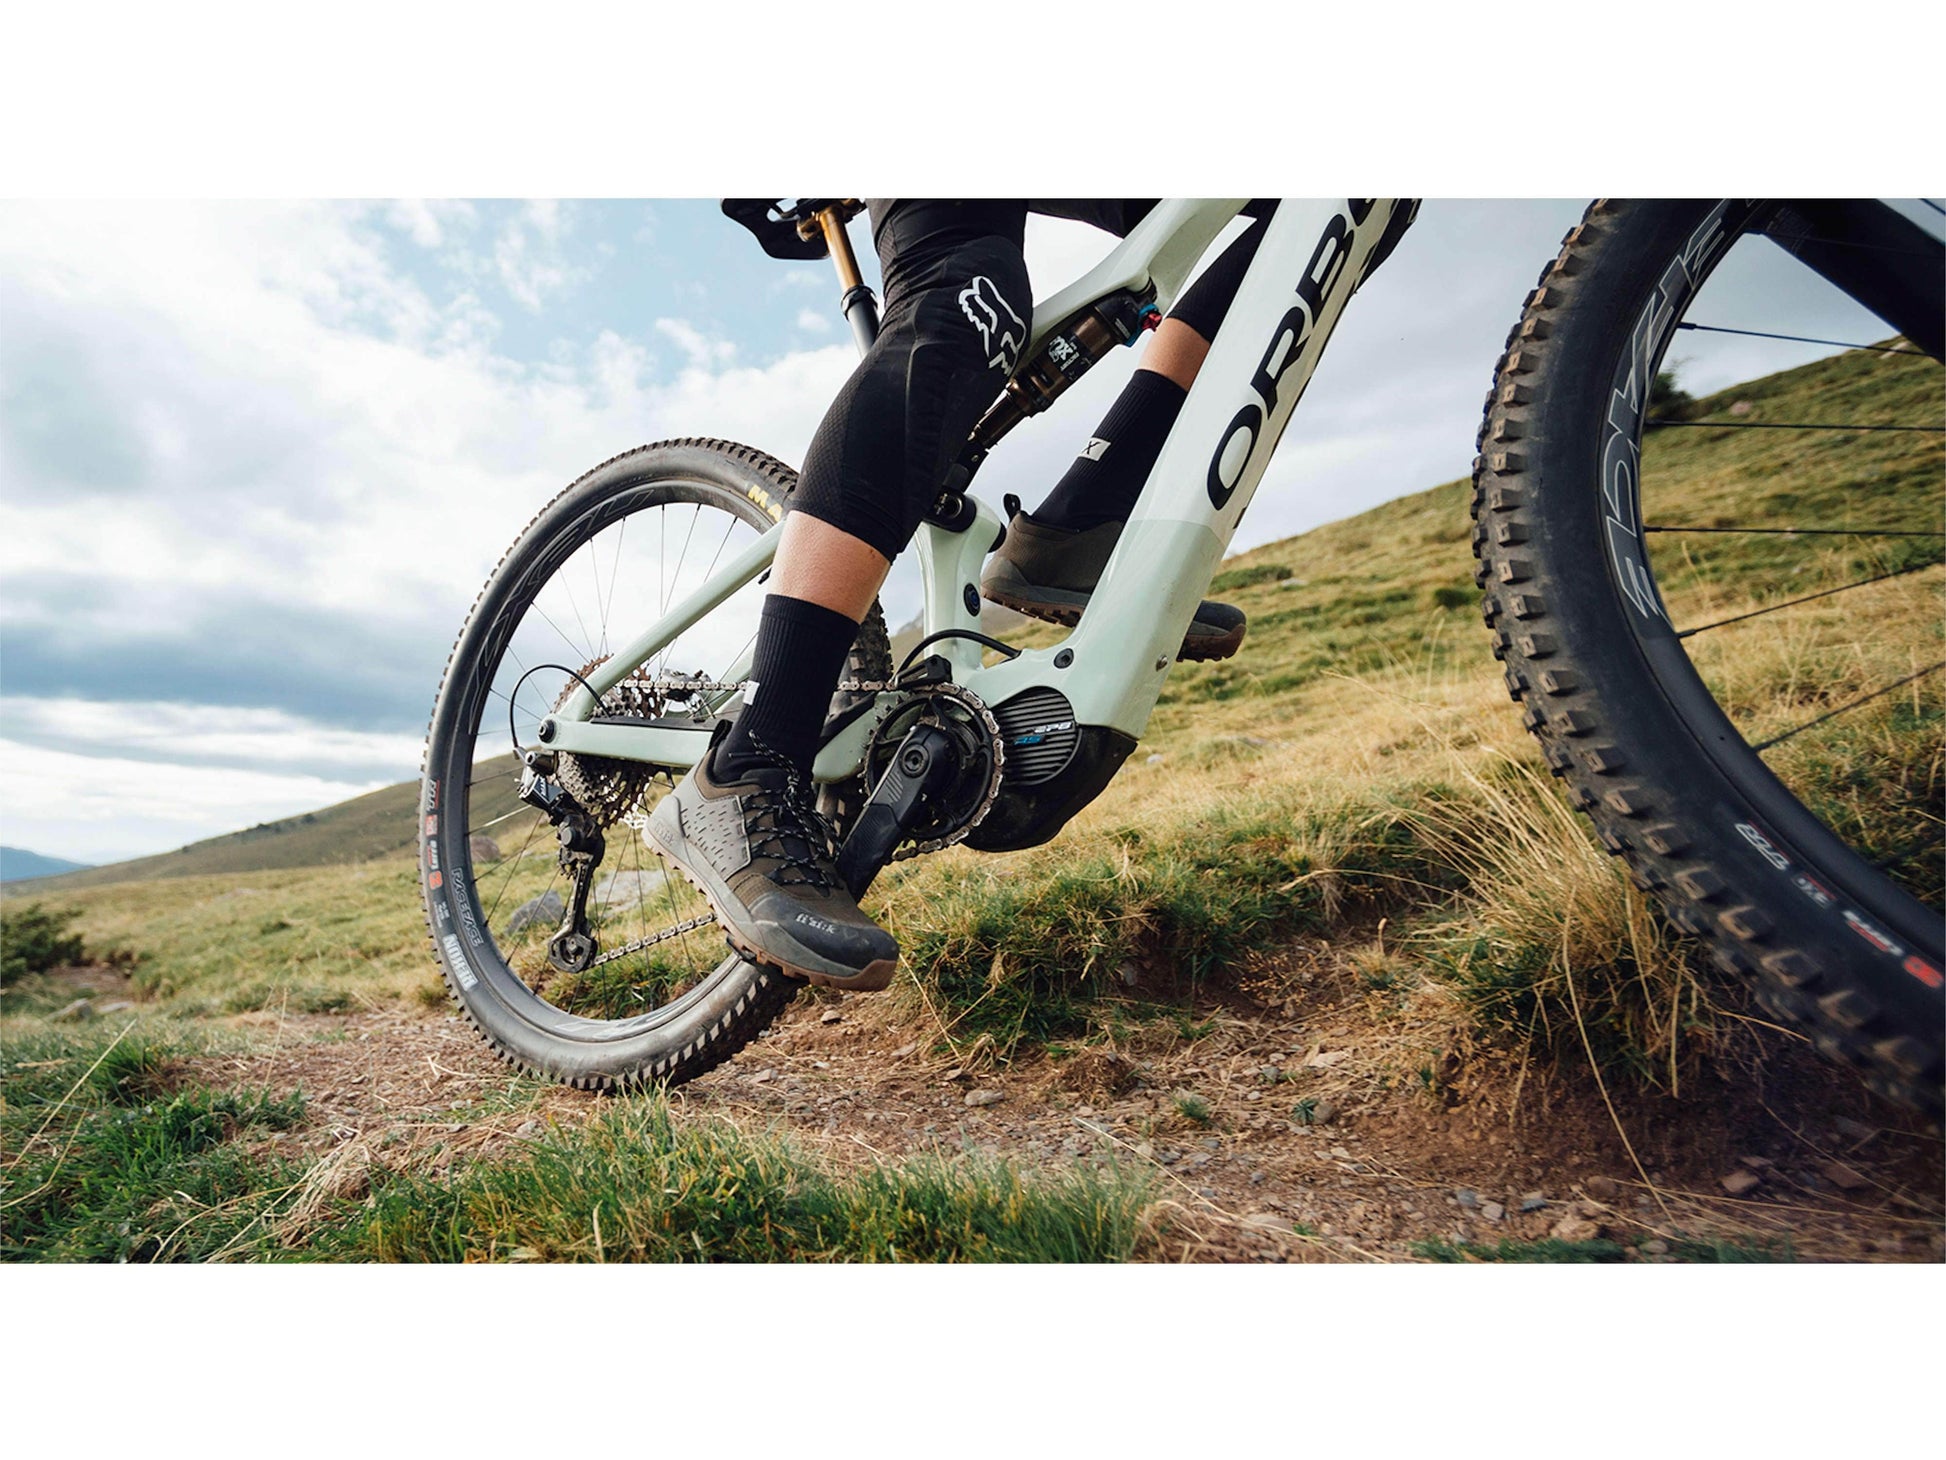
x: 680, y: 1025
x: 1832, y: 945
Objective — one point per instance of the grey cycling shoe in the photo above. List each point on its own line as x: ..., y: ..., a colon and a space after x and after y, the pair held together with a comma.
x: 1050, y: 572
x: 762, y: 856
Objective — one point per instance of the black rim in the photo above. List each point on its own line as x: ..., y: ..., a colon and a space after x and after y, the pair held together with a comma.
x: 513, y: 628
x: 1788, y: 829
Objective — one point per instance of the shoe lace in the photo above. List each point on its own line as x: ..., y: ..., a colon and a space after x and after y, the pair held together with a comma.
x: 796, y: 835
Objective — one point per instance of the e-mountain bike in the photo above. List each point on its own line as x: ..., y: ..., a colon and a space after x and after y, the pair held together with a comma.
x: 615, y: 634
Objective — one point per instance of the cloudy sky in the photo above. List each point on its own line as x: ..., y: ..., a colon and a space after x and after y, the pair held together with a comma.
x: 257, y: 458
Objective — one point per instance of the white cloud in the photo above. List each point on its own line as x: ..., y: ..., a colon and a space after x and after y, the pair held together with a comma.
x: 152, y: 730
x: 93, y: 808
x: 701, y: 351
x: 812, y: 322
x: 275, y: 417
x: 529, y: 254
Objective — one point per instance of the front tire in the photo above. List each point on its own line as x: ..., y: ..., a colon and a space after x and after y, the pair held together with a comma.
x: 1607, y: 686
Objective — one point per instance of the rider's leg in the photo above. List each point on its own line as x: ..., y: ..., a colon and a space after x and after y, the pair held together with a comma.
x: 1105, y: 479
x: 1053, y: 557
x: 957, y: 304
x: 739, y: 825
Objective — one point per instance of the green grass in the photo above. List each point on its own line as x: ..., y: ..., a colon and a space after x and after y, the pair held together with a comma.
x: 105, y: 1163
x: 636, y: 1186
x: 113, y: 1155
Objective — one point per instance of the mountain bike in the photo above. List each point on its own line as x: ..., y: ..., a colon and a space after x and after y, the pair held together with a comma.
x: 615, y: 634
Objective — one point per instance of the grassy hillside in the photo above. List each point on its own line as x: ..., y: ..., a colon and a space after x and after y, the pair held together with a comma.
x: 1359, y: 758
x: 1351, y: 803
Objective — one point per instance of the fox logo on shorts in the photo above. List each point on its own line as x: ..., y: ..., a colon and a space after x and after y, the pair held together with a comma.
x: 1000, y: 328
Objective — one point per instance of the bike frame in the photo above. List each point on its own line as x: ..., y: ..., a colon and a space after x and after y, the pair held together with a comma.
x: 1111, y: 667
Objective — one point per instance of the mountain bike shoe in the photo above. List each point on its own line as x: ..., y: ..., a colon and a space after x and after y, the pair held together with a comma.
x: 762, y: 856
x: 1049, y: 572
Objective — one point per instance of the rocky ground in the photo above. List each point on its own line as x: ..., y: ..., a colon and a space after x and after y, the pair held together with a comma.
x: 1312, y: 1135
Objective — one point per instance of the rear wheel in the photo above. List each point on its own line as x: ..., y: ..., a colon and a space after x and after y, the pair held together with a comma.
x: 660, y: 997
x: 1726, y: 630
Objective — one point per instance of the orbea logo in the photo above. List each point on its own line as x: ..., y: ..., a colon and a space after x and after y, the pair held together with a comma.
x: 1287, y: 342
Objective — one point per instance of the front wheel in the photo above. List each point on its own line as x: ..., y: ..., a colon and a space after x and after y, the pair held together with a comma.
x: 1723, y: 615
x: 659, y: 997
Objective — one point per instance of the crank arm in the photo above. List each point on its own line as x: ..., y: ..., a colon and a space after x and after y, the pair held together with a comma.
x: 927, y: 762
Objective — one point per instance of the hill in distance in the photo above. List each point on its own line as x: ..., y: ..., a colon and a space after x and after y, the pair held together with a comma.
x: 17, y: 864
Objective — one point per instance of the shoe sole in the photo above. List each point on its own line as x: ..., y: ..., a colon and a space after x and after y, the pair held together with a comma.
x: 1196, y: 649
x: 869, y: 979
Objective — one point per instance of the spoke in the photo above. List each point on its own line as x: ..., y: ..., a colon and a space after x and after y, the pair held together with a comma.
x: 1918, y: 844
x: 1851, y: 705
x: 614, y: 574
x: 682, y: 556
x: 1788, y: 426
x: 601, y: 620
x: 1787, y: 603
x: 512, y: 867
x: 669, y: 652
x: 1717, y: 329
x: 573, y: 648
x: 1809, y: 531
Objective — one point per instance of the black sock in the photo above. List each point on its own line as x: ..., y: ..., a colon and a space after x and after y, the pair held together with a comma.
x: 1107, y: 477
x: 799, y: 657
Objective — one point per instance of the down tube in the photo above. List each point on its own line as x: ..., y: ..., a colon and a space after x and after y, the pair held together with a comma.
x: 1258, y: 366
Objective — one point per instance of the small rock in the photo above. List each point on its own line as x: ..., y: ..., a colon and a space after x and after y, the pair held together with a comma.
x: 830, y: 1016
x: 1325, y: 1060
x: 627, y: 888
x: 1257, y: 1178
x: 1756, y: 1163
x: 1341, y: 1153
x: 547, y: 910
x: 1323, y: 1113
x: 528, y: 1127
x: 1129, y: 974
x: 1738, y: 1182
x: 906, y: 1049
x: 1154, y: 759
x: 1655, y: 1247
x: 1268, y: 1222
x: 1855, y: 1130
x: 1532, y: 1201
x: 1467, y: 1197
x: 1741, y: 408
x: 116, y: 1007
x: 1575, y: 1229
x: 79, y: 1010
x: 762, y: 1076
x: 1492, y: 1211
x: 1841, y: 1175
x: 952, y: 1075
x: 1601, y: 1188
x: 483, y: 848
x: 985, y: 1097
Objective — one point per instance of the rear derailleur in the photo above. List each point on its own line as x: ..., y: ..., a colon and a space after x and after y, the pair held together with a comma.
x: 582, y: 846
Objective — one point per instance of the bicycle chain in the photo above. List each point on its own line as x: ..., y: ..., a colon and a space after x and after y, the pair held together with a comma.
x: 636, y: 819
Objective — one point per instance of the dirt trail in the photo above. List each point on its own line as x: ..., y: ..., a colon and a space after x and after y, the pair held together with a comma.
x: 1303, y: 1136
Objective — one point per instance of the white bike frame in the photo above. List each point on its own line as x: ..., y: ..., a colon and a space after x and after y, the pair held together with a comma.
x: 1112, y: 666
